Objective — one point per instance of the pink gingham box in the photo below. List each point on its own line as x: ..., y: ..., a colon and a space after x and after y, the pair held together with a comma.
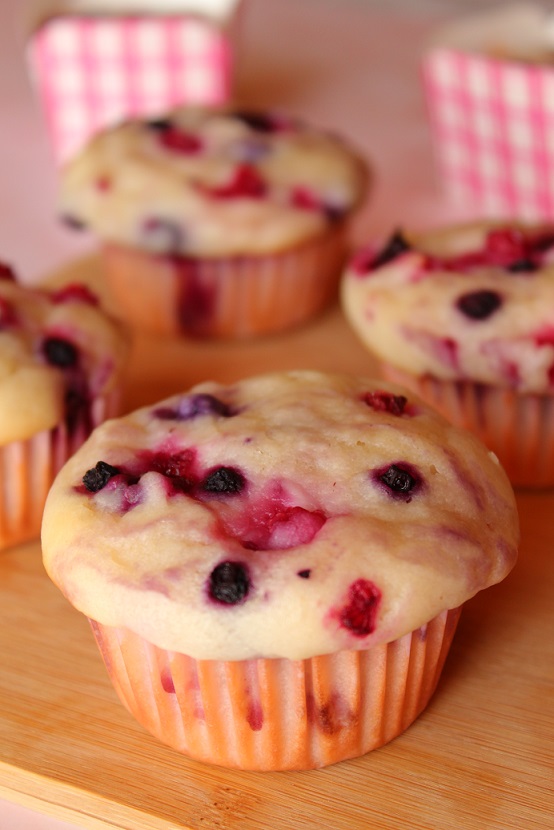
x: 93, y: 67
x: 491, y: 116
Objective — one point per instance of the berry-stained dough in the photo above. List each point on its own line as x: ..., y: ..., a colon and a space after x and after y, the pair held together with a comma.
x: 471, y: 302
x: 211, y: 184
x: 288, y: 515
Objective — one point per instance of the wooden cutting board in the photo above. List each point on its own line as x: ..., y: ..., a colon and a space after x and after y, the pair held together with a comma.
x: 481, y: 756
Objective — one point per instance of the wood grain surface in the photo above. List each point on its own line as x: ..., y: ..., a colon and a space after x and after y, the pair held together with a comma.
x: 481, y: 757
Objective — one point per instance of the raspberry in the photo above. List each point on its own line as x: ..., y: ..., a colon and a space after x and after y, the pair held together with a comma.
x: 363, y: 603
x: 74, y: 291
x: 176, y: 465
x: 386, y: 402
x: 505, y: 246
x: 245, y: 183
x: 7, y: 272
x: 303, y: 198
x: 175, y: 139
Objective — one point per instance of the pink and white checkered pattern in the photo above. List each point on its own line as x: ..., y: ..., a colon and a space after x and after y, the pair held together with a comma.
x: 492, y: 124
x: 95, y: 71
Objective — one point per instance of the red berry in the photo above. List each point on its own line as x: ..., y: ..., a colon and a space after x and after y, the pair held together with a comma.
x: 75, y: 292
x: 179, y: 141
x: 358, y: 616
x: 386, y: 402
x: 245, y: 183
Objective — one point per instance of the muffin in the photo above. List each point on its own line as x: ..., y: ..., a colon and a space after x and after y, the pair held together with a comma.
x: 217, y: 223
x: 60, y: 362
x: 464, y: 316
x: 274, y: 569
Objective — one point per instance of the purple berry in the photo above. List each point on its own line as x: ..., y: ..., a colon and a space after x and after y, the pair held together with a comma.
x: 77, y: 404
x: 396, y: 245
x: 400, y: 480
x: 257, y: 121
x: 305, y: 574
x: 193, y: 406
x: 159, y: 124
x: 226, y: 480
x: 73, y: 222
x: 250, y: 150
x: 163, y: 234
x: 522, y: 266
x: 229, y: 583
x: 97, y: 478
x: 478, y: 305
x: 60, y: 352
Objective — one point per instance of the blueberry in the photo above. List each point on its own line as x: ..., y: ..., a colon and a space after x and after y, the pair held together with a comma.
x: 224, y: 480
x: 229, y: 583
x: 399, y: 479
x: 250, y: 150
x: 256, y: 121
x: 159, y: 124
x: 523, y: 265
x: 396, y: 245
x: 203, y: 404
x: 60, y: 352
x: 192, y: 406
x: 478, y: 305
x: 97, y: 478
x: 72, y: 222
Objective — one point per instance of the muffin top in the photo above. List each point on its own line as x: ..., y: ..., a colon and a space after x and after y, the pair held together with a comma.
x: 287, y: 515
x: 58, y: 351
x: 212, y: 183
x: 471, y: 302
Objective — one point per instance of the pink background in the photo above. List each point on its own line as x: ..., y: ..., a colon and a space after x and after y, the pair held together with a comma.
x: 348, y: 65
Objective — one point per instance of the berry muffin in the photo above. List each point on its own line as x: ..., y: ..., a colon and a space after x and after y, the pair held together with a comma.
x: 464, y: 316
x: 274, y: 569
x: 222, y: 224
x: 60, y: 362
